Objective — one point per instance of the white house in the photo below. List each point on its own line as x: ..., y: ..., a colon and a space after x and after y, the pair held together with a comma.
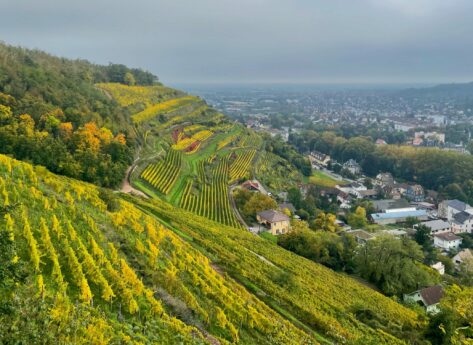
x: 447, y: 241
x: 439, y: 267
x: 429, y: 298
x: 352, y: 166
x: 462, y: 222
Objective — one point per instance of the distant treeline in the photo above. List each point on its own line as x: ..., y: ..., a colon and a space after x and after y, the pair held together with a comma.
x: 450, y: 173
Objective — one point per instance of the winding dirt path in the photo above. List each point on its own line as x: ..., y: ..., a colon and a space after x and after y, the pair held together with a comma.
x: 126, y: 185
x: 234, y: 207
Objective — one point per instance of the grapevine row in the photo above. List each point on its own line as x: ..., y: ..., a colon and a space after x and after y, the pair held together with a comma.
x: 211, y: 200
x: 241, y: 165
x: 164, y: 174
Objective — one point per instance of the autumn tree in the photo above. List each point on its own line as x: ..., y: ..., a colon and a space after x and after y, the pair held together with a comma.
x: 325, y: 222
x: 258, y: 202
x: 358, y: 218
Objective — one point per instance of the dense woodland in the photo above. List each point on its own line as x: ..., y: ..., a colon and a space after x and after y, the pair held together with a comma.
x: 52, y: 114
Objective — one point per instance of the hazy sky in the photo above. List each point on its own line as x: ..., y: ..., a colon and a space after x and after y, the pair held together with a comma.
x: 256, y: 40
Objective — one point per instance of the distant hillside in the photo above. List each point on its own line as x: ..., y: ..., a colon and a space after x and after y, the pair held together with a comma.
x: 458, y: 92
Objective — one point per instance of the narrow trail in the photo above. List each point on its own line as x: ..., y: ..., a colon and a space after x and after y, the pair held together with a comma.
x: 126, y: 185
x: 234, y: 207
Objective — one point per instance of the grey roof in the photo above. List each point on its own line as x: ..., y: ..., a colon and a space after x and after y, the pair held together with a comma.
x: 385, y: 204
x: 465, y: 254
x: 436, y: 225
x: 273, y: 216
x: 362, y: 234
x: 368, y: 192
x: 462, y: 217
x: 352, y: 163
x: 457, y: 204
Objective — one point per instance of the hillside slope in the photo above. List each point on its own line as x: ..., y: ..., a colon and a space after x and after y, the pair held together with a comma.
x: 115, y: 271
x: 82, y: 265
x: 95, y: 264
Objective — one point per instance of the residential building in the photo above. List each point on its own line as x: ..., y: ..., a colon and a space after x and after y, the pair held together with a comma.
x: 428, y: 297
x: 250, y: 185
x: 462, y: 222
x: 394, y: 191
x: 415, y: 193
x: 387, y: 204
x: 466, y: 255
x: 360, y: 235
x: 438, y: 226
x: 399, y: 215
x: 447, y: 241
x: 368, y: 194
x: 277, y: 222
x: 319, y: 158
x: 352, y: 166
x: 432, y: 136
x: 439, y: 267
x: 448, y: 208
x: 394, y: 232
x: 384, y: 179
x: 404, y: 127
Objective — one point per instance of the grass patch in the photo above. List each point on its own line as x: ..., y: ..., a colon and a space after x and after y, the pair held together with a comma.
x: 269, y: 236
x: 320, y: 178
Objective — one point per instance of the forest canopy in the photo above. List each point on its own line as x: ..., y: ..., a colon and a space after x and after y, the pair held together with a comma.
x: 52, y: 113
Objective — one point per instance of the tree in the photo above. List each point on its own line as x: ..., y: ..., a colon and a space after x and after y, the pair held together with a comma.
x: 129, y: 79
x: 326, y: 248
x: 258, y: 202
x: 422, y: 234
x: 294, y: 196
x: 326, y: 222
x: 5, y: 114
x: 454, y: 324
x: 394, y: 265
x: 358, y: 218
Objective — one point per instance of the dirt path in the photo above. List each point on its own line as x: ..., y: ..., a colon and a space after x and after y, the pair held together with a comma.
x: 126, y: 185
x: 234, y: 207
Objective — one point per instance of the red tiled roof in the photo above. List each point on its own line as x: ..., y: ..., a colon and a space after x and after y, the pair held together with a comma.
x: 432, y: 294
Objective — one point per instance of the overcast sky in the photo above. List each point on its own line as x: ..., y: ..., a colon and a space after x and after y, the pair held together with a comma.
x: 320, y: 41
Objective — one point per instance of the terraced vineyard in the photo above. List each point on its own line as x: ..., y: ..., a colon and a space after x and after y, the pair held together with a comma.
x: 250, y: 140
x: 98, y: 277
x: 227, y: 141
x: 191, y: 144
x: 209, y: 197
x: 164, y: 108
x: 241, y: 166
x: 164, y: 174
x: 275, y: 173
x: 314, y: 296
x: 130, y: 95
